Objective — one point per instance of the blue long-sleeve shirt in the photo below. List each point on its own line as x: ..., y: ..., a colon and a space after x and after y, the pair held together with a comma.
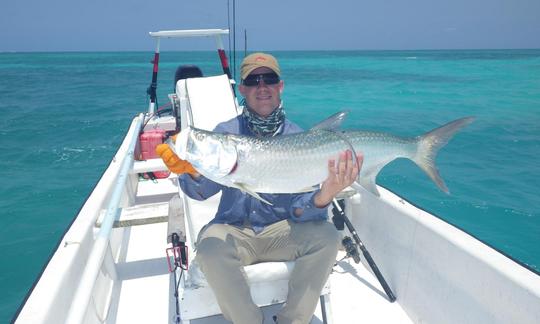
x: 238, y: 208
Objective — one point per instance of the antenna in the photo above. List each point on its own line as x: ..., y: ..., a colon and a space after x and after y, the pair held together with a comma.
x: 234, y: 39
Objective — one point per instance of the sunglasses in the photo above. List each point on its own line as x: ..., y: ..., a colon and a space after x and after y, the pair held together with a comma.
x: 253, y: 80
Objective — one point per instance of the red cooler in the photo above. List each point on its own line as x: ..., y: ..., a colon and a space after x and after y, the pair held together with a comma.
x: 149, y: 140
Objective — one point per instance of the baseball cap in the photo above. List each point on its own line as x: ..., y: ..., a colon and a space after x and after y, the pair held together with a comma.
x: 257, y: 60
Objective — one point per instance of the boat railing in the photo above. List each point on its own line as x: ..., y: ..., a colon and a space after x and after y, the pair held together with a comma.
x: 189, y: 33
x: 96, y: 257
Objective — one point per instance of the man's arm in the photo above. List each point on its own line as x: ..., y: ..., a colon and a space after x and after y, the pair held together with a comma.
x: 197, y: 186
x: 303, y: 208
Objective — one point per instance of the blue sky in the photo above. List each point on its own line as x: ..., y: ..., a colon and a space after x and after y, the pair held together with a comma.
x: 76, y: 25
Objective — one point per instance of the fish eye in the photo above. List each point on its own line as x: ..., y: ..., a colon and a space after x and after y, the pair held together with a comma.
x: 200, y: 137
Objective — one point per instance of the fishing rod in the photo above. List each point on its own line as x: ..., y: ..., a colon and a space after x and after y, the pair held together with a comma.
x: 340, y: 218
x: 177, y: 255
x: 245, y: 43
x: 229, y: 26
x: 232, y: 56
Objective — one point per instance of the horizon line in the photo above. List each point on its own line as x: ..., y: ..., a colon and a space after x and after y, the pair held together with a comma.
x: 272, y: 50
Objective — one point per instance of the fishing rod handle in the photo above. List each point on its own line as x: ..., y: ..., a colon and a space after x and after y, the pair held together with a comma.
x: 378, y: 274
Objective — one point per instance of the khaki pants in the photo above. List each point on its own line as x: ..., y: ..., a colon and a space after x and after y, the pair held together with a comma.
x: 223, y: 250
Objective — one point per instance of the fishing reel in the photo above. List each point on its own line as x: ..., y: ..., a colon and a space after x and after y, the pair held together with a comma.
x: 339, y: 222
x: 351, y: 248
x: 177, y: 255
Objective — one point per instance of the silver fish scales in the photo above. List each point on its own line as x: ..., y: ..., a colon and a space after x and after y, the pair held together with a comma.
x: 297, y: 162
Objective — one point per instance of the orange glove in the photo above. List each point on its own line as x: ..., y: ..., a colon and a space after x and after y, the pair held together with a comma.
x: 173, y: 162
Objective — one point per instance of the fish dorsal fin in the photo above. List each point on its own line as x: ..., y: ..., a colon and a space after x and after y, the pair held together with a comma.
x: 333, y: 122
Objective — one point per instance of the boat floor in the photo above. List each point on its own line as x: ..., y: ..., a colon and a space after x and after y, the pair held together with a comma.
x: 144, y: 293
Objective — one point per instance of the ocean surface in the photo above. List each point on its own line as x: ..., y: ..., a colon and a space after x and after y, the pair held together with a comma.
x: 65, y: 114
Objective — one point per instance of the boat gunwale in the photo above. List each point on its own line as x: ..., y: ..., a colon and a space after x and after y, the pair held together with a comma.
x: 68, y: 227
x: 505, y: 254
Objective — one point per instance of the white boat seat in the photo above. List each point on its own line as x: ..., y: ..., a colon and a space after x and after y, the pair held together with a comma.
x: 204, y: 103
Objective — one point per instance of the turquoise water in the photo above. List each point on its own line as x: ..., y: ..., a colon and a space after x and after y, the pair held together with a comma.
x: 64, y: 115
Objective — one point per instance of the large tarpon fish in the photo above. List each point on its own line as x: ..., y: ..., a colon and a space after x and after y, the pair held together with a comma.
x: 298, y: 162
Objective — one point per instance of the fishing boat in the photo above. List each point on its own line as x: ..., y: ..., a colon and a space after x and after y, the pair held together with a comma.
x: 128, y: 255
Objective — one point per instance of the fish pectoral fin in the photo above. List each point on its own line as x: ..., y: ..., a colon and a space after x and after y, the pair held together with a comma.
x: 366, y: 180
x: 246, y: 189
x: 307, y: 189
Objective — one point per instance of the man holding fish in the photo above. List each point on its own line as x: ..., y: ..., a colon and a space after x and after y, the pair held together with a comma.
x: 251, y: 227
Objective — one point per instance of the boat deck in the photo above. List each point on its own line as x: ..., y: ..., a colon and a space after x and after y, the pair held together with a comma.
x: 145, y: 289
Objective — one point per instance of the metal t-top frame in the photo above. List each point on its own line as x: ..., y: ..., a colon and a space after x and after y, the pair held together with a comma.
x: 216, y: 33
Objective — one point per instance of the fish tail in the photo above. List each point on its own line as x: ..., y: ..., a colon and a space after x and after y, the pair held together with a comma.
x: 431, y: 142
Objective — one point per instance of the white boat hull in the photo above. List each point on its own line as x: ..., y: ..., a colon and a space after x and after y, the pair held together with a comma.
x: 438, y: 273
